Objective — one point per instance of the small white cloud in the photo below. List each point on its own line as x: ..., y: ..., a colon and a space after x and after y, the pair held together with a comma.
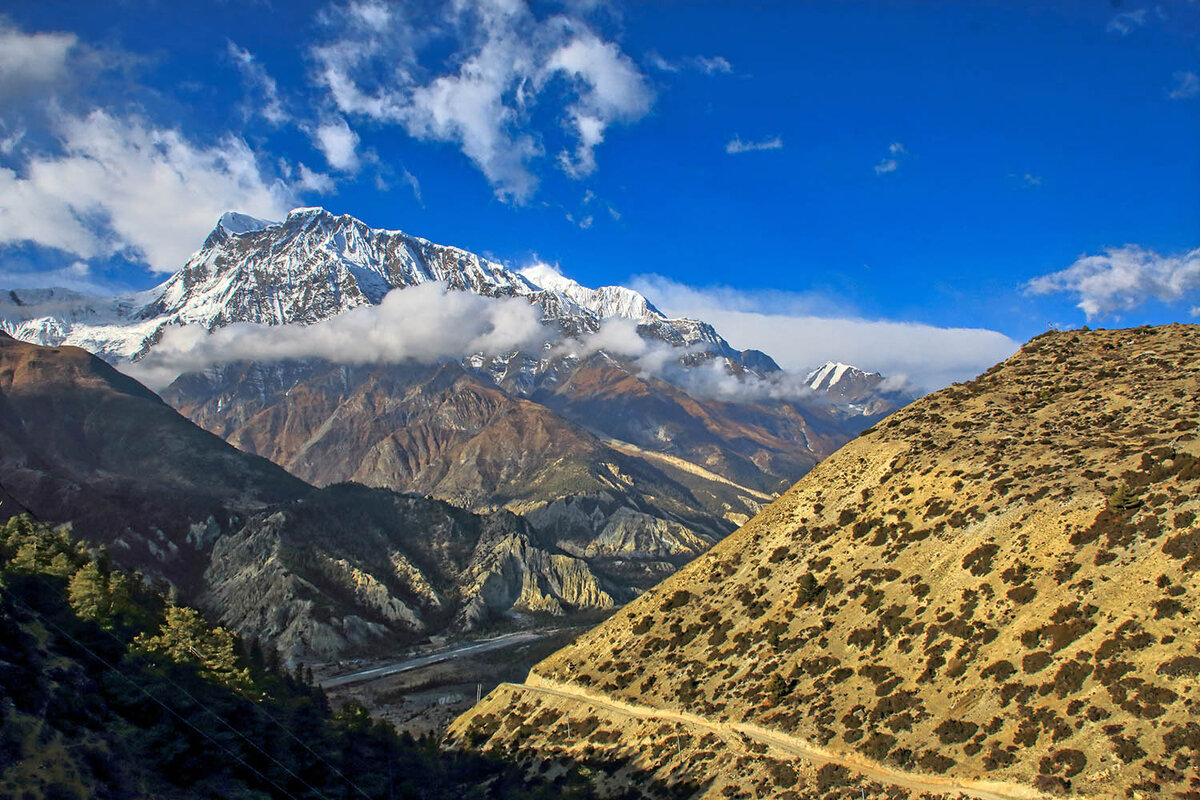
x: 662, y: 64
x: 415, y: 185
x: 9, y: 143
x: 1127, y: 22
x: 32, y: 61
x: 1123, y: 278
x: 717, y: 65
x: 714, y: 65
x: 312, y: 181
x: 338, y: 143
x: 1032, y: 180
x: 891, y: 164
x: 1195, y: 312
x: 262, y: 88
x: 586, y: 222
x: 737, y: 145
x: 1186, y: 85
x: 610, y: 89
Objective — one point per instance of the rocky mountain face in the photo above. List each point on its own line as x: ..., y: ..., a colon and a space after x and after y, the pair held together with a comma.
x: 348, y: 569
x: 317, y: 573
x: 992, y: 592
x: 444, y: 432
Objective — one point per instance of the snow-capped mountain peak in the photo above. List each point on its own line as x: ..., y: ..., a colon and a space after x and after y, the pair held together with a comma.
x: 606, y: 302
x: 314, y: 266
x: 237, y: 223
x: 831, y: 373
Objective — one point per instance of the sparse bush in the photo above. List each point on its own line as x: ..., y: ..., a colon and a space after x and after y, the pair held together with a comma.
x: 1124, y: 498
x: 677, y: 600
x: 979, y: 561
x: 953, y: 731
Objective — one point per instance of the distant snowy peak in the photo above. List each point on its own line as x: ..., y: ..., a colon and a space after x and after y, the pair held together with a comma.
x: 843, y: 382
x: 831, y: 373
x: 607, y: 302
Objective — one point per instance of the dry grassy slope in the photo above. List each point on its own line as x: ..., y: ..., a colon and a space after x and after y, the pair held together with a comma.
x: 963, y: 591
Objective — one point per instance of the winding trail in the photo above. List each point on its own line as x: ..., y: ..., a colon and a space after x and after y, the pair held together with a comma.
x: 792, y: 745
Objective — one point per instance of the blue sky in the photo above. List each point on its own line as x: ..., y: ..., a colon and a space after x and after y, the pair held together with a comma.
x: 901, y: 171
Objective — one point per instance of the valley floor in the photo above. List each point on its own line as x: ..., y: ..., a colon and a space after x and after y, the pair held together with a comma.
x: 423, y: 693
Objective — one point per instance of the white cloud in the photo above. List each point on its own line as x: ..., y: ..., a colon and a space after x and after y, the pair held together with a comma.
x: 32, y: 61
x: 799, y: 332
x: 415, y: 185
x: 262, y: 88
x: 504, y: 60
x: 313, y: 181
x: 9, y: 143
x: 715, y: 65
x: 737, y: 145
x: 892, y: 163
x: 338, y: 143
x: 422, y: 323
x: 610, y: 89
x: 1126, y: 22
x: 616, y: 336
x: 123, y: 184
x: 1187, y: 85
x: 1123, y: 278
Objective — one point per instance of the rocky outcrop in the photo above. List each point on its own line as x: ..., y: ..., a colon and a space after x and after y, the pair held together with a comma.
x: 356, y: 568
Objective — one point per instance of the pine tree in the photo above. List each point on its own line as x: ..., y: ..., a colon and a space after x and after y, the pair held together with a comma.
x: 88, y: 593
x: 185, y: 638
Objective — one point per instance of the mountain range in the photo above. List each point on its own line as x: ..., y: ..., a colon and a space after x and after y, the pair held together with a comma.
x: 633, y: 469
x: 314, y: 573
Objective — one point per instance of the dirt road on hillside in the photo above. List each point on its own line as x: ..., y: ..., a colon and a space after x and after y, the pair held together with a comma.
x: 793, y: 746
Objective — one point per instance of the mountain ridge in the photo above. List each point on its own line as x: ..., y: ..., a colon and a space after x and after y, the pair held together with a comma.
x: 994, y: 582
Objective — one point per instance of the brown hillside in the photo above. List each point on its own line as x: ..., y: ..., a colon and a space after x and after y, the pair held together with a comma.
x: 998, y: 583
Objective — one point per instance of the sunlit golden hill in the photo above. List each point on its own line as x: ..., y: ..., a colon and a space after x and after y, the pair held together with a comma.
x: 993, y: 593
